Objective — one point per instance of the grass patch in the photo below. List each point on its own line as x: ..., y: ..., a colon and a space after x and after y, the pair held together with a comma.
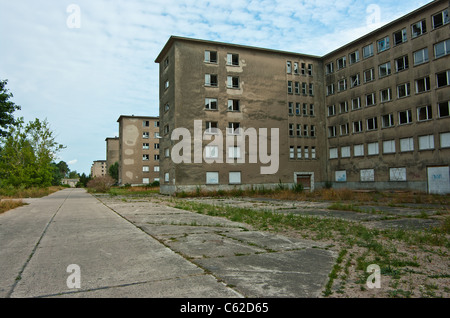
x: 35, y: 192
x: 6, y: 205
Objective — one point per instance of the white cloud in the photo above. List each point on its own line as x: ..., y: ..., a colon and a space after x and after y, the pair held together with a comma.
x: 72, y: 162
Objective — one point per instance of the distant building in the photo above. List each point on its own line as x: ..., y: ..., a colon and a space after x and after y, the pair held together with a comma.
x: 138, y: 150
x: 98, y: 168
x: 71, y: 182
x: 373, y: 114
x: 112, y: 151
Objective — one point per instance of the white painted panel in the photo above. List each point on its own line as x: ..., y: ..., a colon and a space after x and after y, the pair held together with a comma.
x: 438, y: 180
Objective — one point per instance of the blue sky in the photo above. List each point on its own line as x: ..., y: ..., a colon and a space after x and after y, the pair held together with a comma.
x: 82, y: 78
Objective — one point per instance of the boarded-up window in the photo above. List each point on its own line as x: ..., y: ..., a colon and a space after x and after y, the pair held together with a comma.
x: 406, y: 144
x: 426, y: 142
x: 367, y: 175
x: 397, y: 174
x: 340, y: 176
x: 445, y: 140
x: 235, y: 177
x: 212, y: 178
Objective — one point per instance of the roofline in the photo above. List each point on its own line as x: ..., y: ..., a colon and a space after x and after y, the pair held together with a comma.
x: 136, y: 117
x: 385, y: 26
x: 174, y: 38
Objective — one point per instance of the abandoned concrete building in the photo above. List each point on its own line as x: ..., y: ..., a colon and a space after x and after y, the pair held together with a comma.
x: 138, y: 150
x: 112, y: 151
x: 373, y: 114
x: 98, y: 168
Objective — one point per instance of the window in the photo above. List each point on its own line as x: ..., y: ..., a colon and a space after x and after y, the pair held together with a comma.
x: 443, y: 78
x: 156, y: 124
x: 291, y: 130
x: 387, y: 120
x: 234, y: 128
x: 354, y: 80
x: 166, y: 152
x: 372, y: 149
x: 234, y: 105
x: 145, y: 180
x: 342, y: 85
x: 397, y: 174
x: 166, y: 84
x: 296, y: 68
x: 212, y: 178
x: 305, y: 109
x: 291, y: 152
x: 311, y: 89
x: 145, y: 169
x: 311, y: 110
x: 304, y: 88
x: 166, y: 62
x: 420, y: 56
x: 306, y: 153
x: 211, y: 127
x: 166, y: 129
x: 211, y: 103
x: 145, y: 135
x: 166, y: 107
x: 356, y: 103
x: 370, y: 99
x: 156, y: 134
x: 145, y: 157
x: 389, y: 146
x: 444, y: 109
x: 288, y: 67
x: 358, y: 150
x: 367, y: 175
x: 345, y: 152
x: 313, y: 131
x: 440, y: 19
x: 310, y: 69
x: 384, y: 69
x: 403, y: 90
x: 232, y: 59
x: 211, y: 80
x: 353, y: 57
x: 145, y: 146
x: 372, y: 123
x: 299, y: 152
x: 212, y: 152
x: 166, y: 177
x: 155, y: 146
x: 329, y: 68
x: 333, y: 153
x: 330, y: 89
x: 331, y: 110
x: 357, y: 126
x: 368, y: 51
x: 234, y: 177
x: 426, y: 142
x: 405, y: 117
x: 331, y: 131
x: 234, y: 152
x: 369, y: 75
x: 442, y: 48
x: 156, y: 168
x: 303, y: 68
x: 211, y: 56
x: 297, y: 88
x: 341, y: 63
x: 418, y: 29
x: 400, y: 37
x: 402, y: 63
x: 156, y: 157
x: 344, y: 129
x: 340, y: 176
x: 385, y: 95
x: 424, y: 113
x: 145, y: 123
x: 313, y: 152
x: 291, y: 108
x: 406, y: 144
x: 289, y: 87
x: 343, y: 107
x: 445, y: 140
x: 297, y: 109
x: 383, y: 44
x: 232, y: 81
x: 305, y: 130
x: 422, y: 85
x: 299, y: 130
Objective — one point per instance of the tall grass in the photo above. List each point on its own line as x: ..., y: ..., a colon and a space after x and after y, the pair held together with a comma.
x: 6, y: 205
x: 11, y: 192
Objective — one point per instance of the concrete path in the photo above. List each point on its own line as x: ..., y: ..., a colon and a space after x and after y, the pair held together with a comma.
x: 117, y: 249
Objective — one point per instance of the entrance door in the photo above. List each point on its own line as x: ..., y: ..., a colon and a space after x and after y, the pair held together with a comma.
x: 438, y: 180
x: 304, y: 180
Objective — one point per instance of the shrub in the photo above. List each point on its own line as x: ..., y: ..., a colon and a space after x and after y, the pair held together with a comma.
x: 100, y: 184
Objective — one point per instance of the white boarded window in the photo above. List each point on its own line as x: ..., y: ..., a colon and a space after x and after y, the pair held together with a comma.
x: 340, y: 176
x: 234, y: 177
x: 426, y: 142
x: 166, y: 177
x: 234, y: 152
x: 145, y: 169
x: 358, y: 150
x: 445, y: 140
x: 397, y: 174
x: 345, y: 152
x: 406, y: 144
x: 333, y: 153
x: 372, y: 148
x: 211, y: 151
x: 212, y: 178
x: 145, y: 180
x: 389, y: 146
x: 367, y: 175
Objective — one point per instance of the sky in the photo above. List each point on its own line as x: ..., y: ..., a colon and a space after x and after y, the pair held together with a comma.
x: 81, y: 64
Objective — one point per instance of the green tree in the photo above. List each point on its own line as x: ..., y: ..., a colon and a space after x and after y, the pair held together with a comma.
x: 27, y: 155
x: 113, y: 171
x: 63, y: 168
x: 73, y: 175
x: 7, y: 107
x: 84, y: 180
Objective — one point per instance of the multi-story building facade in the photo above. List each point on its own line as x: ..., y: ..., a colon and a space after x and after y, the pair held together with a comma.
x: 98, y: 168
x: 371, y: 114
x: 138, y: 150
x: 112, y: 151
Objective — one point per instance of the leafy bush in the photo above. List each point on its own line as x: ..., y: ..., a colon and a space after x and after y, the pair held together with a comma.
x: 100, y: 184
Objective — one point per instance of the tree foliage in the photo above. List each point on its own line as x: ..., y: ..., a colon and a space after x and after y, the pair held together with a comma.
x: 113, y: 171
x: 7, y: 107
x: 27, y: 155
